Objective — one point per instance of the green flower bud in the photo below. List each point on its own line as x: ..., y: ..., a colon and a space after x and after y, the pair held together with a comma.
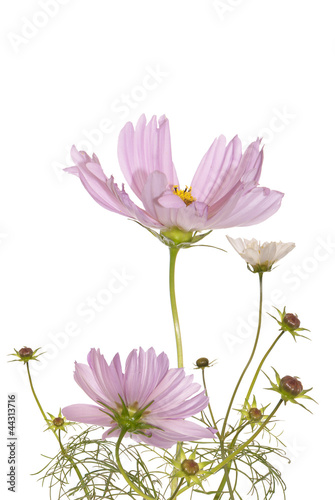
x: 190, y: 467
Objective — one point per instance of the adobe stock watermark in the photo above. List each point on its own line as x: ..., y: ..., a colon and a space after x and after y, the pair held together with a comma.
x: 120, y: 109
x: 3, y: 237
x: 224, y: 7
x: 291, y: 451
x: 292, y: 279
x: 31, y: 27
x: 86, y: 313
x: 281, y: 119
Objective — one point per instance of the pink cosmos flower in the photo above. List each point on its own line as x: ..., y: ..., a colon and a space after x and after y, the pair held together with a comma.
x: 149, y: 399
x: 224, y: 191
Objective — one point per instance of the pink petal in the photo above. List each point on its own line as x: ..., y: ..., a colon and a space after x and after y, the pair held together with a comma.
x: 249, y: 208
x: 86, y: 414
x: 85, y: 379
x: 145, y: 150
x: 216, y: 170
x: 101, y: 373
x: 173, y: 431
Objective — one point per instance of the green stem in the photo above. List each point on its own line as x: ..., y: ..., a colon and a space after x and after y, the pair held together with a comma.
x: 209, y: 405
x: 226, y: 468
x: 80, y: 477
x: 173, y: 256
x: 176, y: 490
x: 260, y: 366
x: 123, y: 472
x: 250, y: 358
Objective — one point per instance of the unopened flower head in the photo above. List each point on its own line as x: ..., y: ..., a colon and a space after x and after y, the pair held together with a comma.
x: 289, y: 322
x: 59, y: 423
x: 260, y: 257
x: 26, y: 354
x: 290, y: 389
x: 189, y: 468
x: 223, y: 193
x: 148, y: 400
x: 253, y: 414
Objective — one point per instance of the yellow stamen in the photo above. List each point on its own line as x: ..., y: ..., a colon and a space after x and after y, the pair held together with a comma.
x: 184, y: 194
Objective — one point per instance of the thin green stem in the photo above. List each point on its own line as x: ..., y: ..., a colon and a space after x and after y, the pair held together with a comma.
x: 260, y: 366
x: 227, y: 468
x: 70, y: 459
x: 250, y: 358
x: 209, y: 405
x: 173, y: 256
x: 176, y: 490
x: 36, y: 399
x: 123, y: 472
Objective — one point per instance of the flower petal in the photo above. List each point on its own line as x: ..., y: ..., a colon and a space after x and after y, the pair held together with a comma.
x: 247, y: 208
x: 145, y: 150
x: 174, y: 431
x: 86, y: 414
x: 217, y: 170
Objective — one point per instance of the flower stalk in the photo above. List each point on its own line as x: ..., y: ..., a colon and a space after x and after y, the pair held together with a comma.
x: 57, y: 436
x: 123, y: 472
x: 260, y: 366
x: 250, y: 358
x: 173, y: 257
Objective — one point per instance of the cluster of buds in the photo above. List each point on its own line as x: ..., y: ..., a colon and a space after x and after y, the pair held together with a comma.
x: 289, y: 388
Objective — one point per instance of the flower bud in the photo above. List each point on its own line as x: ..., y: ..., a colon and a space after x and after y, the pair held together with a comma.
x: 291, y: 320
x: 255, y: 414
x: 291, y: 385
x: 202, y: 362
x: 26, y: 352
x: 58, y: 421
x: 190, y: 467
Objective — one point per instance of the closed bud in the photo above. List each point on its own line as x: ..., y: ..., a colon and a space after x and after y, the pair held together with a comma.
x: 26, y: 352
x: 255, y: 414
x: 58, y: 421
x: 190, y: 467
x: 202, y: 362
x: 291, y: 385
x: 291, y: 320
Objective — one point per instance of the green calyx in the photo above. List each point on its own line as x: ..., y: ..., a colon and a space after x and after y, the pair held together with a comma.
x: 252, y: 414
x: 175, y: 237
x: 260, y: 268
x: 178, y: 236
x: 25, y: 355
x: 129, y: 418
x: 189, y: 469
x: 58, y: 423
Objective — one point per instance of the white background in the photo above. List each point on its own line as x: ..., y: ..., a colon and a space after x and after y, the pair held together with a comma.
x: 78, y: 73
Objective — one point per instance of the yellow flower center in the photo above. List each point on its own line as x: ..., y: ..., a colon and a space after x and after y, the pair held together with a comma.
x: 184, y: 194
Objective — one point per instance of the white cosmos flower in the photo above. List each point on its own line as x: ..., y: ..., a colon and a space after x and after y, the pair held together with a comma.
x: 260, y: 257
